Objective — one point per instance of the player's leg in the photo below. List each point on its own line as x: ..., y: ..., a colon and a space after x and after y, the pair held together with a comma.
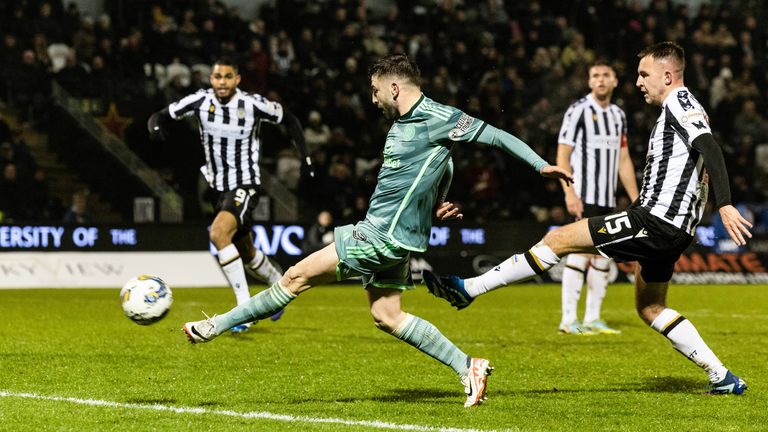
x: 572, y: 238
x: 651, y: 283
x: 318, y: 268
x: 597, y: 285
x: 257, y: 264
x: 424, y: 336
x: 573, y: 279
x: 223, y: 229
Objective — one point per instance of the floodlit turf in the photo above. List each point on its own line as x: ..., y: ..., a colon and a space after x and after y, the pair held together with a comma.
x: 325, y: 359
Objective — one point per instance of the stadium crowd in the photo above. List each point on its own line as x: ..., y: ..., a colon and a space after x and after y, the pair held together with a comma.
x: 515, y: 64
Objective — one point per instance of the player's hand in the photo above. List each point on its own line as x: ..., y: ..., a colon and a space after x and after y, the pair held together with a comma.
x: 555, y: 172
x: 156, y: 133
x: 574, y: 205
x: 447, y: 210
x: 735, y: 224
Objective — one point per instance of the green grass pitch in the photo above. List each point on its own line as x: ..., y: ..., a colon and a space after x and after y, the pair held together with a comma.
x: 325, y: 360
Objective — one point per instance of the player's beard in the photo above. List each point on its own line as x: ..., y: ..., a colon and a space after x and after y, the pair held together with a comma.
x: 226, y: 97
x: 390, y: 111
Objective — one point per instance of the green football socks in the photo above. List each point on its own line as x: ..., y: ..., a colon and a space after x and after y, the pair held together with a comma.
x: 262, y: 305
x: 424, y: 336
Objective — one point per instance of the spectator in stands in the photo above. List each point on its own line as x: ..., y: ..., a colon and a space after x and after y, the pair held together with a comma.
x: 78, y: 213
x: 29, y: 95
x: 41, y: 206
x: 320, y: 234
x: 13, y: 194
x: 316, y: 133
x: 527, y: 52
x: 339, y: 190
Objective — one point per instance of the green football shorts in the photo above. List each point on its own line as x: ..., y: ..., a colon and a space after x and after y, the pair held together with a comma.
x: 369, y: 254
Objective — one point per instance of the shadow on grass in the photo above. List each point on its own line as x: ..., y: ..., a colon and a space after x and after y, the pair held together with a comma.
x: 397, y: 396
x: 650, y: 385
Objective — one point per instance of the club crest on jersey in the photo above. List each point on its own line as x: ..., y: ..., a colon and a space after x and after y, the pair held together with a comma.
x: 461, y: 128
x: 684, y: 98
x: 241, y: 113
x: 409, y: 131
x: 212, y: 108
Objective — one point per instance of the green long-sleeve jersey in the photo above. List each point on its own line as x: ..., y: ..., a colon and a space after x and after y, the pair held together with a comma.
x: 417, y: 151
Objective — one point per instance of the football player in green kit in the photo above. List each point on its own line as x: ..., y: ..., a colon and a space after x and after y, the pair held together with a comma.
x: 411, y: 188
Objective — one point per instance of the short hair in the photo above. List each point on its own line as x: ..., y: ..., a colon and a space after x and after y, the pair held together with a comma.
x: 601, y: 62
x: 397, y: 65
x: 665, y: 50
x: 227, y: 61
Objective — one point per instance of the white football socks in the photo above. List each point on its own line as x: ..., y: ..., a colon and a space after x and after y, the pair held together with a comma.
x: 597, y: 284
x: 519, y: 267
x: 232, y: 265
x: 262, y: 266
x: 573, y: 280
x: 689, y: 343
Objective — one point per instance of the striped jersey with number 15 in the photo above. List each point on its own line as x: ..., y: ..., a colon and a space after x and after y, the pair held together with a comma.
x: 229, y: 134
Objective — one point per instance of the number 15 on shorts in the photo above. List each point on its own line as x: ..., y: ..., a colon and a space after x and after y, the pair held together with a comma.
x: 614, y: 224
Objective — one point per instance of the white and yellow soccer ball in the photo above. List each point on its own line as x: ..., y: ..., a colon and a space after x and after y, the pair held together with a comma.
x: 146, y: 299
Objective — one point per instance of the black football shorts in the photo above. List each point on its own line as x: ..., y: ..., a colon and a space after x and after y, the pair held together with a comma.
x: 637, y: 235
x: 240, y: 202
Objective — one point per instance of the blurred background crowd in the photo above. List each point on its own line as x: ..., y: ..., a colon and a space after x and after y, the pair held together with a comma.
x: 517, y: 65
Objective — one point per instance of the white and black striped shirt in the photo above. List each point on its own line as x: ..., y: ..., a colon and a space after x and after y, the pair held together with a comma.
x: 671, y: 179
x: 597, y: 136
x: 229, y: 134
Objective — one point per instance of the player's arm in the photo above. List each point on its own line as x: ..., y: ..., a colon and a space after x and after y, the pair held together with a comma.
x: 734, y: 222
x: 296, y: 134
x: 511, y: 144
x: 183, y: 107
x: 156, y: 124
x: 446, y: 210
x: 627, y: 174
x: 573, y: 203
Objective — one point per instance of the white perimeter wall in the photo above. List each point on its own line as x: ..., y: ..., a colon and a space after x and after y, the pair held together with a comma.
x: 107, y: 269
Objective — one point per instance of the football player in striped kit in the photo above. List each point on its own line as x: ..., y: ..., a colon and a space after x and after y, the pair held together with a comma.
x: 656, y: 229
x: 593, y: 146
x: 229, y: 121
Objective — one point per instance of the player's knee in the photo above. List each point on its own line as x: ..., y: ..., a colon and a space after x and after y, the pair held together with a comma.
x: 219, y: 236
x: 648, y: 313
x: 383, y: 321
x: 555, y: 239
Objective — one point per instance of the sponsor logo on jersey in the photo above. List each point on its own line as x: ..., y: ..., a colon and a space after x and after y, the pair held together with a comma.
x: 389, y: 160
x: 602, y: 230
x: 683, y: 98
x: 357, y: 235
x: 461, y: 127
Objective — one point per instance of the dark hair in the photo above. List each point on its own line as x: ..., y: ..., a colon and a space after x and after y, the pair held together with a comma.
x: 601, y: 62
x: 665, y: 50
x: 398, y: 65
x: 226, y: 61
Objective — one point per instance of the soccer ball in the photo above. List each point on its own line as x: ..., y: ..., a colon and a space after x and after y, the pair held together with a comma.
x: 146, y: 299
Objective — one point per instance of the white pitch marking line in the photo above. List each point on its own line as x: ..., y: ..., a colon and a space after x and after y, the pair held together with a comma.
x: 247, y: 415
